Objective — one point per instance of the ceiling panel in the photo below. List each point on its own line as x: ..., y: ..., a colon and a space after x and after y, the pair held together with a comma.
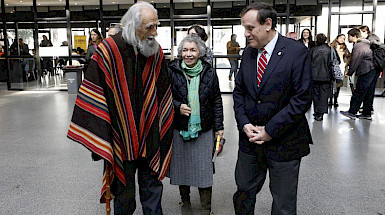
x: 93, y: 2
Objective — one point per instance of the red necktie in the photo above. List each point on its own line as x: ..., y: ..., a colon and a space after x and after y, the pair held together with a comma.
x: 262, y: 63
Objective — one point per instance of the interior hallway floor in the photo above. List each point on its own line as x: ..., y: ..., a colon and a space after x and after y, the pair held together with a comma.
x: 43, y: 172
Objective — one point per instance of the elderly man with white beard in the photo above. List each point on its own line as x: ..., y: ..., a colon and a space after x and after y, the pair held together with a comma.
x: 123, y: 113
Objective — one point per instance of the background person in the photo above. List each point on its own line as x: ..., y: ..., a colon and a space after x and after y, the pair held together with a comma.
x: 96, y: 39
x: 131, y: 135
x: 366, y: 34
x: 362, y: 65
x: 321, y: 68
x: 307, y: 38
x: 199, y: 113
x: 270, y: 112
x: 45, y: 42
x: 292, y: 35
x: 233, y: 48
x: 199, y: 31
x: 344, y: 55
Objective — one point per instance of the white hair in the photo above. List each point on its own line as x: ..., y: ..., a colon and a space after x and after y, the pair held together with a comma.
x: 132, y: 20
x: 195, y: 39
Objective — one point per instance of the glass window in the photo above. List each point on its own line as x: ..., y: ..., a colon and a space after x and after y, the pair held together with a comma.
x: 220, y: 38
x: 164, y: 38
x: 239, y: 30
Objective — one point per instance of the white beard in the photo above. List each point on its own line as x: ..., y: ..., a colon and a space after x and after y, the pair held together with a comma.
x: 148, y: 47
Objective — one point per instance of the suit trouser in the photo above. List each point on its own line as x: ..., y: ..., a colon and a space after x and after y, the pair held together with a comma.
x: 364, y: 93
x: 150, y: 190
x: 250, y: 175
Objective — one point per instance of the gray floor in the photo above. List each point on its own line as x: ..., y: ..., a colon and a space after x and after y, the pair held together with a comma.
x: 43, y: 172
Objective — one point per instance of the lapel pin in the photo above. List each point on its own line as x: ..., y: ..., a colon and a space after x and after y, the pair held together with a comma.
x: 279, y: 53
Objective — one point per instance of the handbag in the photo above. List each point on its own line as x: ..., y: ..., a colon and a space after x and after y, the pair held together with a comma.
x: 336, y: 70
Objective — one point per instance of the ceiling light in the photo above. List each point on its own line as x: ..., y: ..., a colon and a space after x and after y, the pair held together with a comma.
x: 38, y: 4
x: 21, y: 1
x: 113, y: 2
x: 6, y: 4
x: 76, y: 3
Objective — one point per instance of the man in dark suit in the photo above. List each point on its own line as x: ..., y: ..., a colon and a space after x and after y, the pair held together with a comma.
x: 271, y: 96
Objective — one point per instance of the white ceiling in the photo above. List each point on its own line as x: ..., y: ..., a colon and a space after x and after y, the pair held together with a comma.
x: 21, y: 3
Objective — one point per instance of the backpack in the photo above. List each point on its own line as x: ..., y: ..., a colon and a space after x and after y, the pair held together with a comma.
x: 378, y: 50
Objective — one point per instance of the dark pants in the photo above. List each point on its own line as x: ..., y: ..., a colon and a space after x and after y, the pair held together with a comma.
x: 250, y: 175
x: 364, y: 93
x: 321, y: 92
x: 234, y: 68
x: 150, y: 190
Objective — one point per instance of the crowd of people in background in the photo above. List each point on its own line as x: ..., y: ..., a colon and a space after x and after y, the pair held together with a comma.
x: 358, y: 63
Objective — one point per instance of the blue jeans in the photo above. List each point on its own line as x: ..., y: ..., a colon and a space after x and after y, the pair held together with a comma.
x: 234, y: 68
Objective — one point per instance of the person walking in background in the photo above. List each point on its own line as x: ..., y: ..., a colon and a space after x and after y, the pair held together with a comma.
x: 362, y: 65
x: 344, y: 55
x: 321, y: 67
x: 124, y: 113
x: 96, y: 39
x: 307, y: 38
x: 196, y: 30
x: 271, y: 96
x: 198, y: 119
x: 233, y: 48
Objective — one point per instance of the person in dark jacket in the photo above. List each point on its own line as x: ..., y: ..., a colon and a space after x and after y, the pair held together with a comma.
x: 307, y: 38
x: 196, y: 30
x: 321, y: 66
x: 96, y: 39
x: 198, y: 117
x: 362, y: 65
x: 272, y: 94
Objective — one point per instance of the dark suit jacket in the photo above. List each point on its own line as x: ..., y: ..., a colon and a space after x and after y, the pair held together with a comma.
x: 279, y: 104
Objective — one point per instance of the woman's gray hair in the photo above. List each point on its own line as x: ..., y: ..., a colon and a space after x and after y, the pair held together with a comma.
x: 132, y: 20
x: 197, y: 40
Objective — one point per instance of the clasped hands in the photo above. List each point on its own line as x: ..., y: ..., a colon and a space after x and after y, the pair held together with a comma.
x: 256, y: 134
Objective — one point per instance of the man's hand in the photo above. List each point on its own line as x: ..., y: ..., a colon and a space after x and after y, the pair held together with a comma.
x: 261, y: 136
x: 250, y: 130
x: 185, y: 110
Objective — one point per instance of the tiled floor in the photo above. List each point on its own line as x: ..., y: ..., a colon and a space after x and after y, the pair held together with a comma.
x: 43, y: 172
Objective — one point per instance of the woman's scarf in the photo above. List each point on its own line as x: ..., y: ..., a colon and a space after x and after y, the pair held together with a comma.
x: 194, y: 123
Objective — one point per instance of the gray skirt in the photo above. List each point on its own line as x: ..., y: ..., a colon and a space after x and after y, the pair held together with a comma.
x: 191, y: 161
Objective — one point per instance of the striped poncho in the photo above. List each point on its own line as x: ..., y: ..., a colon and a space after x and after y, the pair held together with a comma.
x: 108, y: 119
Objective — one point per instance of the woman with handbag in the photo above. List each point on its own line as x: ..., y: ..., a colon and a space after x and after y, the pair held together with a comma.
x: 344, y: 55
x: 321, y: 65
x: 198, y: 120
